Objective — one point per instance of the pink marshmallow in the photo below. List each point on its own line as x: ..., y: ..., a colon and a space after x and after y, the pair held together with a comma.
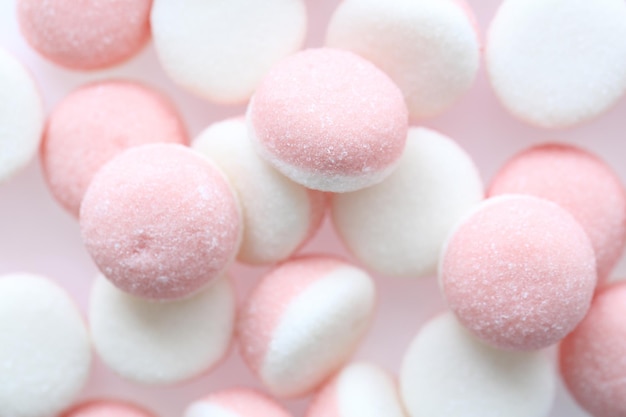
x: 519, y: 272
x: 161, y: 221
x: 106, y: 408
x: 237, y: 402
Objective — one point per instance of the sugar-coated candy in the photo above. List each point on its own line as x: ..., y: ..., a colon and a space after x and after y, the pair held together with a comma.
x: 156, y: 342
x: 97, y: 122
x: 161, y: 221
x: 446, y: 371
x: 519, y: 272
x: 85, y: 35
x: 430, y: 48
x: 221, y: 49
x: 45, y: 353
x: 329, y: 120
x: 106, y: 408
x: 303, y: 321
x: 236, y: 402
x: 278, y: 214
x: 397, y: 227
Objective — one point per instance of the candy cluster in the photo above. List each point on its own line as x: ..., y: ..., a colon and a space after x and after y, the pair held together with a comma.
x: 332, y: 131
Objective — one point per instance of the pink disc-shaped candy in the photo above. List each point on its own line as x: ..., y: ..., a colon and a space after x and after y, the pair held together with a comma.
x: 579, y: 182
x: 85, y: 34
x: 519, y: 272
x: 303, y: 321
x: 236, y: 402
x: 161, y: 221
x: 592, y: 357
x: 329, y: 120
x: 94, y: 124
x: 106, y: 408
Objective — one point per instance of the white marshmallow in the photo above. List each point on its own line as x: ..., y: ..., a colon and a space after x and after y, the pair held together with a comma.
x: 236, y: 402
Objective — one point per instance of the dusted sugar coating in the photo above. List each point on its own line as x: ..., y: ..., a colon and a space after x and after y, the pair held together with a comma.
x: 397, y: 227
x: 106, y: 408
x: 592, y: 356
x: 448, y: 372
x: 221, y: 49
x: 358, y: 390
x: 85, y: 34
x: 236, y: 402
x: 429, y: 48
x: 329, y: 120
x: 519, y: 272
x: 161, y: 221
x: 94, y: 124
x: 21, y: 116
x: 279, y: 215
x: 155, y: 342
x: 45, y: 356
x: 558, y: 63
x: 579, y: 182
x: 303, y: 321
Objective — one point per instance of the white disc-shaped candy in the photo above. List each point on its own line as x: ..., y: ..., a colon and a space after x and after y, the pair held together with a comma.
x: 397, y: 227
x: 45, y: 355
x: 557, y: 63
x: 358, y: 390
x: 21, y: 116
x: 220, y: 49
x: 448, y: 372
x: 236, y: 402
x: 279, y: 215
x: 303, y: 321
x: 155, y: 342
x: 430, y: 48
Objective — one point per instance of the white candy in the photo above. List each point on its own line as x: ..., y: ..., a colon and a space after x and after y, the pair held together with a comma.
x: 430, y: 48
x: 45, y: 354
x: 21, y: 116
x: 398, y: 227
x: 448, y: 372
x: 220, y: 49
x: 154, y: 342
x: 557, y: 63
x: 279, y: 215
x: 359, y: 390
x: 236, y: 402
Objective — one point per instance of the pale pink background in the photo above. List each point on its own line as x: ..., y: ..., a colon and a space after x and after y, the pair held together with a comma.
x: 37, y: 236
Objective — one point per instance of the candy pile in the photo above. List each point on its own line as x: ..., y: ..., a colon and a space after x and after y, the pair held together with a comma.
x: 331, y: 131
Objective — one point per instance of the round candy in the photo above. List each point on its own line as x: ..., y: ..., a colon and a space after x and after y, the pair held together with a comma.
x: 155, y: 342
x: 303, y: 321
x: 85, y: 35
x: 279, y: 215
x: 221, y: 50
x: 45, y: 355
x: 579, y: 182
x: 429, y: 48
x: 519, y: 272
x: 237, y: 402
x: 161, y: 221
x: 96, y: 123
x: 106, y: 408
x: 329, y: 120
x: 359, y: 390
x: 558, y: 63
x: 592, y: 356
x: 21, y: 116
x: 448, y: 372
x: 397, y: 227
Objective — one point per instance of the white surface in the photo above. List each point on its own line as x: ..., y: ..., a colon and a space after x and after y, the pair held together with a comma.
x: 154, y: 342
x: 276, y: 210
x: 45, y: 354
x: 318, y: 331
x: 21, y: 116
x: 397, y: 227
x: 448, y: 372
x: 39, y: 237
x: 557, y: 63
x: 221, y: 49
x: 430, y: 48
